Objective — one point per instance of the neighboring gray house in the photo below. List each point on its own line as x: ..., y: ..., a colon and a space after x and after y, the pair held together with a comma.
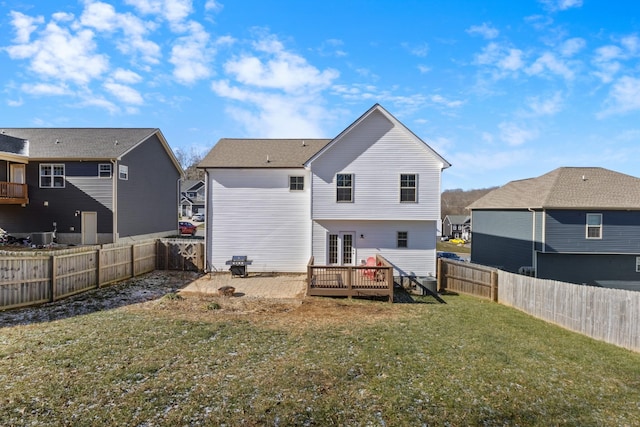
x: 456, y: 226
x: 191, y: 197
x: 88, y: 185
x: 573, y: 224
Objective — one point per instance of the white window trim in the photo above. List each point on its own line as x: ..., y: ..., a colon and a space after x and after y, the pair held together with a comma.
x: 100, y: 171
x: 415, y: 189
x: 123, y: 172
x: 51, y: 167
x: 587, y: 227
x: 351, y: 188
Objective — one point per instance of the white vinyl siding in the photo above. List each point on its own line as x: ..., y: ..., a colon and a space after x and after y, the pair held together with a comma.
x: 253, y: 213
x: 376, y: 153
x: 380, y: 237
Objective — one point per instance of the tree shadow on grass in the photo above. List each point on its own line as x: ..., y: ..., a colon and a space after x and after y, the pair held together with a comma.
x: 147, y: 287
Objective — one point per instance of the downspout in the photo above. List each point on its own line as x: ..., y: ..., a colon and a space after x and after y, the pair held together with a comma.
x: 114, y: 203
x: 207, y: 223
x: 179, y: 204
x: 533, y: 242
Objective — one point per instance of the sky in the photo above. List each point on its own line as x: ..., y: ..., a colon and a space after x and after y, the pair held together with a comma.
x: 503, y: 90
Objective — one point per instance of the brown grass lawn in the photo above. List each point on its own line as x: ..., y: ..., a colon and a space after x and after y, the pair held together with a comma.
x: 166, y: 361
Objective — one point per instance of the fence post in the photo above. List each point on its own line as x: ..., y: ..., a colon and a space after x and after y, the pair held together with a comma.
x: 98, y: 268
x: 133, y: 260
x: 54, y: 266
x: 494, y: 286
x: 349, y: 288
x: 440, y: 277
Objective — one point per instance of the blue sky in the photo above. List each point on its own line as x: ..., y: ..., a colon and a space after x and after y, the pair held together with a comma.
x: 503, y: 90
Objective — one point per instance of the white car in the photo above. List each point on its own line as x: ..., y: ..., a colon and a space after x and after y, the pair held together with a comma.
x: 199, y: 216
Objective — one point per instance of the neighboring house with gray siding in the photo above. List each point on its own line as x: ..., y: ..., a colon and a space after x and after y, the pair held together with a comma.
x: 88, y: 185
x: 373, y: 189
x: 456, y: 226
x: 191, y: 197
x: 573, y: 224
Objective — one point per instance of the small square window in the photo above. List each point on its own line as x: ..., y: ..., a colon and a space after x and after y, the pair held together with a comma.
x: 296, y: 183
x: 403, y: 239
x: 104, y: 170
x: 123, y: 172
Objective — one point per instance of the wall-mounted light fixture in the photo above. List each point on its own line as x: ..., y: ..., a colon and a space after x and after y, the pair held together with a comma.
x: 77, y: 213
x: 46, y: 203
x: 362, y: 236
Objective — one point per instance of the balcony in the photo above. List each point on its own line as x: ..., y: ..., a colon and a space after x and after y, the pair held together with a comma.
x: 13, y: 194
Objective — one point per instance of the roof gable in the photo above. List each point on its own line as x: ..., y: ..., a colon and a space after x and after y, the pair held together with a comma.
x: 377, y: 108
x: 261, y: 153
x: 567, y: 188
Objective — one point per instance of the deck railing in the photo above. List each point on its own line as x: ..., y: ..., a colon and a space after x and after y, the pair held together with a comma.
x: 13, y: 193
x: 351, y: 281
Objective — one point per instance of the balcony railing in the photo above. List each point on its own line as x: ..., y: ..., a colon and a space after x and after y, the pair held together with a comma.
x: 12, y: 193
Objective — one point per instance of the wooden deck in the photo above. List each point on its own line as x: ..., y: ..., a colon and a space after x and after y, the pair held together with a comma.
x: 351, y: 281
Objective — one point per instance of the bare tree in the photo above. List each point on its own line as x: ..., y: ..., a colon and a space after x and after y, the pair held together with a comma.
x: 189, y: 161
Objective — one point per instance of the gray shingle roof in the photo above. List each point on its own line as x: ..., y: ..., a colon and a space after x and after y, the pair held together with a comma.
x: 262, y: 153
x: 79, y: 143
x: 567, y: 188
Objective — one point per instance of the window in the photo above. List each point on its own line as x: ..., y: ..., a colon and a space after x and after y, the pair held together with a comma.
x: 594, y: 226
x: 296, y: 183
x: 638, y: 264
x: 123, y: 172
x: 408, y: 187
x: 51, y: 176
x: 333, y: 248
x: 344, y: 187
x: 104, y: 170
x: 403, y: 239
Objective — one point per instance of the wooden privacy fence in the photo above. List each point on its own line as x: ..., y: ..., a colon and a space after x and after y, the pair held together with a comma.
x: 458, y: 276
x: 609, y: 315
x: 28, y: 278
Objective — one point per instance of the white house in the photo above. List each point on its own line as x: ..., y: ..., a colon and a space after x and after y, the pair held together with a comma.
x: 374, y: 189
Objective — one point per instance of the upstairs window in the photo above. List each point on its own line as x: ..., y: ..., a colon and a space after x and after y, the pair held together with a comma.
x: 344, y: 187
x: 594, y: 226
x: 638, y: 264
x: 123, y: 172
x: 403, y: 239
x: 296, y: 183
x: 52, y: 176
x: 408, y: 186
x: 104, y: 170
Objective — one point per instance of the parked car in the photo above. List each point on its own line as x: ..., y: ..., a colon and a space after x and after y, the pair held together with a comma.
x: 198, y: 216
x: 444, y: 238
x: 449, y: 255
x: 458, y: 241
x: 187, y: 228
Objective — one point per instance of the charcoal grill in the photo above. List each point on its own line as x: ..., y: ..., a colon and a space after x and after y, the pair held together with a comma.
x: 238, y: 265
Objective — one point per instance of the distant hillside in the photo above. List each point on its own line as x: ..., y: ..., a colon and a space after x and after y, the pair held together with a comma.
x: 454, y: 202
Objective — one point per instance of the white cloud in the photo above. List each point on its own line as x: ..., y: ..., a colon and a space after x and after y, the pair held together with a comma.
x: 549, y: 62
x: 572, y: 46
x: 485, y: 30
x: 191, y: 54
x: 59, y: 55
x: 272, y: 67
x: 440, y: 100
x: 174, y: 11
x: 546, y: 106
x: 45, y: 89
x: 556, y: 5
x: 126, y: 76
x: 631, y: 44
x: 213, y: 5
x: 24, y: 26
x: 511, y: 62
x: 623, y: 97
x: 124, y: 93
x: 423, y: 69
x: 503, y: 59
x: 514, y: 134
x: 100, y: 103
x: 420, y: 50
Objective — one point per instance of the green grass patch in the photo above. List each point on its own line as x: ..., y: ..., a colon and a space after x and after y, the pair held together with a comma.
x: 467, y: 362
